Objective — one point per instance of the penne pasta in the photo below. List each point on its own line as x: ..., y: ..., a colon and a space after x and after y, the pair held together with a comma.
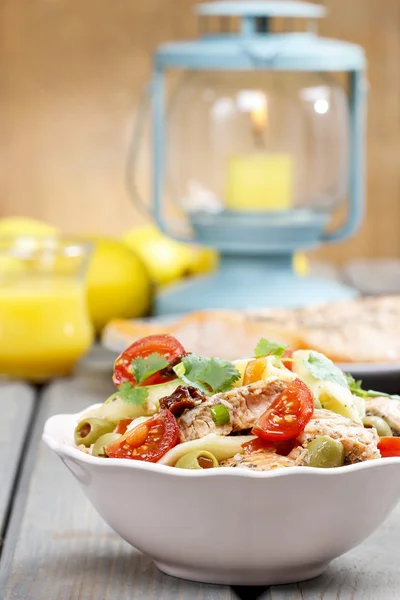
x: 222, y: 447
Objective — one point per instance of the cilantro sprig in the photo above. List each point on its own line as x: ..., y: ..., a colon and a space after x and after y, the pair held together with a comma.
x: 357, y: 390
x: 324, y: 369
x: 210, y: 375
x: 266, y: 347
x: 132, y: 395
x: 142, y: 368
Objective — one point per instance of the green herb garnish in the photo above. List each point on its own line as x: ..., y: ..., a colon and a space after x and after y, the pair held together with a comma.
x: 210, y: 375
x: 324, y: 369
x: 131, y: 394
x: 356, y: 389
x: 355, y: 386
x: 269, y: 348
x: 220, y: 414
x: 142, y: 368
x: 179, y: 370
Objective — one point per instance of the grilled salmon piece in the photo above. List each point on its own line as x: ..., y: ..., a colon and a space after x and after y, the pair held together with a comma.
x: 245, y: 405
x: 387, y: 409
x: 359, y: 443
x: 221, y: 333
x: 260, y: 460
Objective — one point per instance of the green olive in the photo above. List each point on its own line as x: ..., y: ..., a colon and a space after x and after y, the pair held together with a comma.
x: 324, y: 453
x: 103, y: 441
x: 198, y: 459
x: 89, y: 430
x: 382, y: 428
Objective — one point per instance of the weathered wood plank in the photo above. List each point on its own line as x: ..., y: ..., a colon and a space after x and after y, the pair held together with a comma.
x: 17, y: 403
x: 62, y: 550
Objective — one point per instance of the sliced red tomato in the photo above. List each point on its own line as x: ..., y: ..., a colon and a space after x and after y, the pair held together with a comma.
x: 254, y: 371
x: 282, y: 448
x: 148, y: 441
x: 166, y: 345
x: 123, y: 426
x: 287, y: 363
x: 288, y: 415
x: 389, y: 446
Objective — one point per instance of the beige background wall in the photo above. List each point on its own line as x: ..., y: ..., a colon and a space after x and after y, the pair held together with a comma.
x: 70, y: 76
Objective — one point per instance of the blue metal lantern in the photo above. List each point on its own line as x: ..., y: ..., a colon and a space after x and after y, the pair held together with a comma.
x: 257, y: 145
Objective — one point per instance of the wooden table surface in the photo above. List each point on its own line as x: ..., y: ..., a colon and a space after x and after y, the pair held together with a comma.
x: 57, y: 548
x: 17, y: 408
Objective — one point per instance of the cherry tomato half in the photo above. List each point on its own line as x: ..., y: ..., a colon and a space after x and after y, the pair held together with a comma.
x: 254, y: 371
x: 287, y: 363
x: 166, y: 345
x: 389, y: 446
x: 123, y: 426
x: 288, y: 415
x: 282, y: 448
x: 148, y: 441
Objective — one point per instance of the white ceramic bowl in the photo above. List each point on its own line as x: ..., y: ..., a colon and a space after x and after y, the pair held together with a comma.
x: 233, y: 526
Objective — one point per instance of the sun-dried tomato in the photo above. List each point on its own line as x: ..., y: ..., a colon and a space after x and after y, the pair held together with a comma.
x: 182, y: 398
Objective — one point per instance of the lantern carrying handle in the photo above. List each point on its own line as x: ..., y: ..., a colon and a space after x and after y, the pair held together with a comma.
x: 157, y: 91
x: 147, y: 102
x: 356, y: 185
x: 133, y: 150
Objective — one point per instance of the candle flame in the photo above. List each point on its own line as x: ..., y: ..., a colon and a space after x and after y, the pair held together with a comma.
x: 255, y: 103
x: 259, y: 117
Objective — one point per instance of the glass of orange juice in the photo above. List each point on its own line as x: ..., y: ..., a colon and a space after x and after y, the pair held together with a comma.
x: 44, y: 320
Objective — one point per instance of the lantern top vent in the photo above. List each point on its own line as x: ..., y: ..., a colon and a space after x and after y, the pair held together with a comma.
x: 255, y: 47
x: 261, y: 8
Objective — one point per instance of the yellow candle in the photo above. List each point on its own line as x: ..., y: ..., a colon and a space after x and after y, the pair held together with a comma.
x: 260, y: 182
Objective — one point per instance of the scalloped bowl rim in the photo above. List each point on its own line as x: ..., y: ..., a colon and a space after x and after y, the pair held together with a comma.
x: 63, y: 448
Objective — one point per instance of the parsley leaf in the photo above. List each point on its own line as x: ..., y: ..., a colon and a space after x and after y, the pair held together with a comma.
x: 356, y: 390
x: 269, y: 348
x: 324, y: 369
x: 142, y: 368
x: 209, y: 374
x: 132, y: 395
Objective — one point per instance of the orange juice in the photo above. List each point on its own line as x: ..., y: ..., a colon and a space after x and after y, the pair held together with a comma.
x: 44, y: 326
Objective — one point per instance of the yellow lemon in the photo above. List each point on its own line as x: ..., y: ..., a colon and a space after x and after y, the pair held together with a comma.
x: 202, y: 260
x: 118, y: 283
x: 10, y: 266
x: 166, y: 259
x: 13, y: 226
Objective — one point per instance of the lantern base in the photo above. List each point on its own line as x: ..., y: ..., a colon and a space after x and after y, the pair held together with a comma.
x: 246, y: 282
